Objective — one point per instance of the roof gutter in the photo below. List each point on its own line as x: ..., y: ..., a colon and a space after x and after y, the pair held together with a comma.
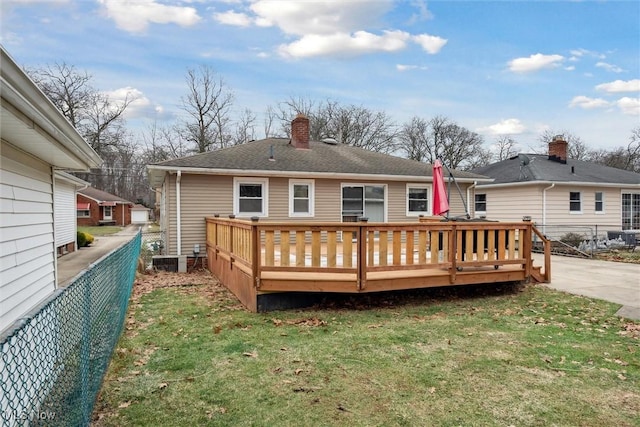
x: 571, y: 183
x: 39, y: 109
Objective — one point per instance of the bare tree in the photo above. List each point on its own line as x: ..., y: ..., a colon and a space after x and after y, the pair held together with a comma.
x: 99, y: 119
x: 269, y: 117
x: 350, y: 124
x: 245, y: 127
x: 441, y: 138
x: 627, y: 158
x: 505, y: 148
x: 207, y: 104
x: 68, y: 89
x: 576, y: 148
x: 414, y: 139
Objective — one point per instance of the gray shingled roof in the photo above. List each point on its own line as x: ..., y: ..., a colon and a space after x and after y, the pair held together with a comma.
x: 101, y: 196
x: 540, y: 168
x: 320, y: 158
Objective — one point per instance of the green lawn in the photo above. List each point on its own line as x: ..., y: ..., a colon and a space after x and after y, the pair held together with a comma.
x: 521, y: 356
x: 103, y: 230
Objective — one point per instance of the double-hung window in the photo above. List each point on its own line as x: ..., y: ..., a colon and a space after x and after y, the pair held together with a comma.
x: 480, y: 203
x: 631, y: 211
x: 417, y: 199
x: 599, y: 198
x: 301, y: 198
x: 250, y: 197
x: 575, y: 202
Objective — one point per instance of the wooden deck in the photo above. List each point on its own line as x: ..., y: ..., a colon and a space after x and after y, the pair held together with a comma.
x: 254, y: 257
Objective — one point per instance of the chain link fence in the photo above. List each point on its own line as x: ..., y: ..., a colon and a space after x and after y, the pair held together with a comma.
x: 152, y: 244
x: 586, y: 240
x: 52, y: 362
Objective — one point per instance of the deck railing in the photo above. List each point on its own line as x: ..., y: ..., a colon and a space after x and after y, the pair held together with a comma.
x: 366, y: 257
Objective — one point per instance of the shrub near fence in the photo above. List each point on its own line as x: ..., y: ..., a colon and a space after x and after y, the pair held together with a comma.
x: 53, y: 361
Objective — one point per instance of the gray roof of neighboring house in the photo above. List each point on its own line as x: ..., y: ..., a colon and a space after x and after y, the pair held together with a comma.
x: 321, y: 157
x: 102, y: 196
x: 540, y: 168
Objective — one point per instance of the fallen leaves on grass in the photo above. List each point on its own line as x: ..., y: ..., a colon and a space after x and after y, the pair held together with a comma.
x: 311, y: 321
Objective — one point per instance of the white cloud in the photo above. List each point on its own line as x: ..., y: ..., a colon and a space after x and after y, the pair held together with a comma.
x: 620, y: 86
x: 609, y: 67
x: 629, y: 106
x: 346, y: 28
x: 570, y: 68
x: 406, y: 67
x: 233, y: 18
x: 136, y: 15
x: 139, y: 104
x: 430, y: 44
x: 322, y: 18
x: 535, y: 62
x: 343, y: 44
x: 588, y: 103
x: 505, y: 127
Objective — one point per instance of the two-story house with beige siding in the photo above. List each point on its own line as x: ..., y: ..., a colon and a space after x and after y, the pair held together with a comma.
x: 294, y: 180
x: 557, y: 191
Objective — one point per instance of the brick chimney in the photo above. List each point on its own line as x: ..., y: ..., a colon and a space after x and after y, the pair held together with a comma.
x: 300, y: 132
x: 558, y: 149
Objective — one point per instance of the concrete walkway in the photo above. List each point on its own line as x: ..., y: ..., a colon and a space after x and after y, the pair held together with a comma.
x: 615, y: 282
x: 70, y: 265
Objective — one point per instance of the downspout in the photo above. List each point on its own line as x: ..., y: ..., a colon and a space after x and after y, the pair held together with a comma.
x: 123, y: 214
x: 471, y: 187
x: 178, y: 213
x: 544, y: 207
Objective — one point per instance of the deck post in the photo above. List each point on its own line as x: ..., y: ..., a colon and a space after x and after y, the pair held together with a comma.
x: 453, y: 252
x: 525, y: 247
x: 361, y: 238
x: 255, y: 252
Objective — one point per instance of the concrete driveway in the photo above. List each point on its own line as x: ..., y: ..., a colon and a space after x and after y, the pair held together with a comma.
x: 616, y: 282
x: 70, y: 265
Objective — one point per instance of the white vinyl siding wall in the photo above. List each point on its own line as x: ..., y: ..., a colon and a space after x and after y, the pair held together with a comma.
x: 27, y: 253
x: 511, y: 204
x: 64, y: 213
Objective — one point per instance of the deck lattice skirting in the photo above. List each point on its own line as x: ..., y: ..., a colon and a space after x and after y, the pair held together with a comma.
x: 255, y: 257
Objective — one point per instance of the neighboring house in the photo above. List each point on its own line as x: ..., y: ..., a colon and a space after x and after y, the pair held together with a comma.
x: 36, y: 140
x: 555, y: 190
x: 64, y: 214
x: 295, y: 180
x: 97, y: 207
x: 139, y: 214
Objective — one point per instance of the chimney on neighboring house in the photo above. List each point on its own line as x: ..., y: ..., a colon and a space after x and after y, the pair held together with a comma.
x: 558, y: 149
x: 300, y: 131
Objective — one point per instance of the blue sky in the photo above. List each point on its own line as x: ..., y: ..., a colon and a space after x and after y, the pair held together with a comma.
x: 498, y: 68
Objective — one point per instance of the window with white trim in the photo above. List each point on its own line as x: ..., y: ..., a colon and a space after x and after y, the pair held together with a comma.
x: 631, y: 211
x: 480, y: 203
x: 301, y: 198
x: 250, y: 197
x: 575, y: 202
x: 83, y: 213
x: 599, y: 198
x: 417, y: 199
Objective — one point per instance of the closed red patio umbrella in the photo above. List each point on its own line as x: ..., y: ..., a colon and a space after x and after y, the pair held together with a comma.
x: 440, y: 200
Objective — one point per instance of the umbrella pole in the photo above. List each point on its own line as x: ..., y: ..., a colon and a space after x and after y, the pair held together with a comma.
x: 464, y: 202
